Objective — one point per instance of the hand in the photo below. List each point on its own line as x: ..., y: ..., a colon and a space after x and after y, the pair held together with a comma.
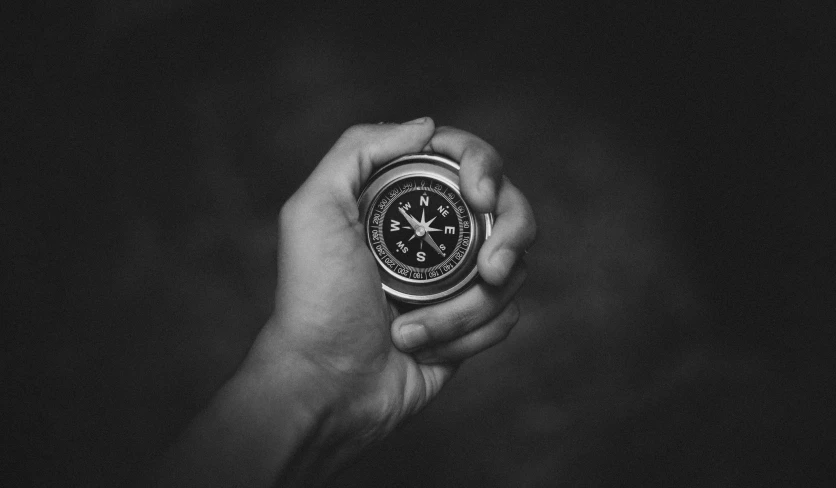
x: 336, y: 367
x: 330, y: 308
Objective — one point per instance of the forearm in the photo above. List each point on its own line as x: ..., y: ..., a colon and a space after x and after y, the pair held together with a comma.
x: 265, y: 424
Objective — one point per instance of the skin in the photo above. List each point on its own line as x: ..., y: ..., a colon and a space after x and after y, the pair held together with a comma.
x: 337, y: 367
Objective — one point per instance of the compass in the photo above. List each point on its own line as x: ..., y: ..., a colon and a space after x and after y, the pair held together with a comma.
x: 420, y: 230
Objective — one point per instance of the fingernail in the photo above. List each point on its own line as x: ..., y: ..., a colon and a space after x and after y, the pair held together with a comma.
x: 413, y: 336
x: 503, y: 260
x: 416, y: 121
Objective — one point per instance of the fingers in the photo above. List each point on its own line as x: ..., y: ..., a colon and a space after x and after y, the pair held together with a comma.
x: 481, y: 166
x: 483, y: 315
x: 490, y: 334
x: 514, y: 231
x: 485, y: 190
x: 441, y: 323
x: 363, y: 148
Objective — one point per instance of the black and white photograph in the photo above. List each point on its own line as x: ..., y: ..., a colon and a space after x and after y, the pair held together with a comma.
x: 398, y: 244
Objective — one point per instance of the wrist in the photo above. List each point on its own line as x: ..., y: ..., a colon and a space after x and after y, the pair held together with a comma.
x: 297, y: 410
x: 342, y: 408
x: 310, y: 404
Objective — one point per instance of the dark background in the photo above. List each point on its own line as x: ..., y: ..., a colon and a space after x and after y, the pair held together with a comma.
x: 677, y: 325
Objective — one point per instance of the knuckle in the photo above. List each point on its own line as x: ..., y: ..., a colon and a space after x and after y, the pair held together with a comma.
x: 356, y: 132
x: 484, y: 155
x: 524, y: 217
x: 490, y: 154
x: 500, y: 333
x: 507, y: 322
x: 503, y: 334
x: 462, y: 322
x: 290, y: 211
x: 456, y: 323
x: 513, y: 313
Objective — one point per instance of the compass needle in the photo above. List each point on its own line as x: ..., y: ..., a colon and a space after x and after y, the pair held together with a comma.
x: 412, y: 222
x: 432, y: 243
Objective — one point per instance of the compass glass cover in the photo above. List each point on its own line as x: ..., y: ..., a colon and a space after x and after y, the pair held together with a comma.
x: 419, y: 228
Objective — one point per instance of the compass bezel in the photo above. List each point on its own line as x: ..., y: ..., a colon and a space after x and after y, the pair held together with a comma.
x: 449, y: 184
x: 446, y: 171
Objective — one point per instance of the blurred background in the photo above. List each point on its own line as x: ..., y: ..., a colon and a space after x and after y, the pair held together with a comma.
x: 677, y: 325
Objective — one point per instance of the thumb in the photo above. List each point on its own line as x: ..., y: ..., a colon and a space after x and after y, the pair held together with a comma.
x: 362, y: 149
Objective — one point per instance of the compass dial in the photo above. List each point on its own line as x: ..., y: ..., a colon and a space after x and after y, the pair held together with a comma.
x: 420, y: 228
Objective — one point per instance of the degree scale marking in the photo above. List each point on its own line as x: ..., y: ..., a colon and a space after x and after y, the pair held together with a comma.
x: 383, y: 248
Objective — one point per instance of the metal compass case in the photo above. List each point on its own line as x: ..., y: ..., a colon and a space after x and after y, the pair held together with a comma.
x: 423, y: 235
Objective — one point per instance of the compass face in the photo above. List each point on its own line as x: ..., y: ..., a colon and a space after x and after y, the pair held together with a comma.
x: 420, y: 228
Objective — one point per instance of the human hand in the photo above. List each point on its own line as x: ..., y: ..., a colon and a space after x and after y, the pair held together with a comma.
x: 331, y: 312
x: 336, y: 367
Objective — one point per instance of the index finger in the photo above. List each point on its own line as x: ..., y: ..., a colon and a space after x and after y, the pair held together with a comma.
x: 359, y: 151
x: 481, y: 166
